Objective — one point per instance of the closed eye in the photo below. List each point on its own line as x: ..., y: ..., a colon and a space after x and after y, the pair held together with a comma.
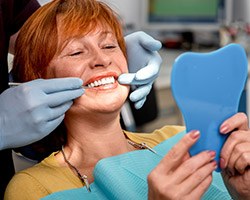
x: 110, y: 46
x: 76, y: 53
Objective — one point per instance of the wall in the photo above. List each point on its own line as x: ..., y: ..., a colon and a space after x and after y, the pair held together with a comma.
x: 129, y: 10
x: 241, y: 10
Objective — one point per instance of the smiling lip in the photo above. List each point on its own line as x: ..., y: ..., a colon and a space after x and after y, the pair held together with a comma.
x: 102, y: 80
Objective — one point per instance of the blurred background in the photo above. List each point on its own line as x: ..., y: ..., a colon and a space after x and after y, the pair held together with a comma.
x: 181, y: 25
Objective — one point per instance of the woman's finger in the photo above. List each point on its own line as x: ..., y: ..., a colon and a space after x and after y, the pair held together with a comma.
x: 235, y: 138
x: 176, y: 155
x: 199, y: 191
x: 194, y: 180
x: 190, y: 166
x: 243, y: 161
x: 238, y: 121
x: 236, y: 156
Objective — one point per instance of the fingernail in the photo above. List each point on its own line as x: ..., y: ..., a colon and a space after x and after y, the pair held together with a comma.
x: 222, y: 163
x: 212, y: 154
x: 224, y: 128
x: 214, y: 164
x: 195, y: 134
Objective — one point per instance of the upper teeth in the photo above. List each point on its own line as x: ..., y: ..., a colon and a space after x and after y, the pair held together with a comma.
x: 103, y: 81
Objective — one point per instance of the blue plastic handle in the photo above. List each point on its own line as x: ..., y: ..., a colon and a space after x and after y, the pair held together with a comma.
x: 207, y: 88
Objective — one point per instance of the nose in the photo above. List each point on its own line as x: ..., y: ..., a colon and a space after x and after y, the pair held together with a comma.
x: 99, y: 58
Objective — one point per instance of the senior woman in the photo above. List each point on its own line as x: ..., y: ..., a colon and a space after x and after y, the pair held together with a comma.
x: 90, y: 46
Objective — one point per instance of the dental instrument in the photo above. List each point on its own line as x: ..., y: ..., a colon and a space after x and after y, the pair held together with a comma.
x: 13, y: 84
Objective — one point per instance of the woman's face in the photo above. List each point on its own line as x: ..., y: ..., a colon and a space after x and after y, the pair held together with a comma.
x: 97, y: 59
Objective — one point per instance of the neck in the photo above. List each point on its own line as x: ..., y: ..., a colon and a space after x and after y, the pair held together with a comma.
x: 89, y: 142
x: 97, y: 135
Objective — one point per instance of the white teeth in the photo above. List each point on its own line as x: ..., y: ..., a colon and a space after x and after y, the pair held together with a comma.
x: 103, y: 81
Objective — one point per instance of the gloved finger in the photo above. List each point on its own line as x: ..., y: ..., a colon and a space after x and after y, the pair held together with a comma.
x: 140, y: 103
x: 140, y: 92
x: 52, y: 124
x: 126, y: 78
x: 151, y: 70
x: 59, y: 84
x: 129, y: 79
x: 59, y: 110
x: 56, y: 99
x: 149, y: 42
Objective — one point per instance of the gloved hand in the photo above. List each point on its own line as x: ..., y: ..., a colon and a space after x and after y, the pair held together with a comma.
x: 144, y: 65
x: 33, y: 109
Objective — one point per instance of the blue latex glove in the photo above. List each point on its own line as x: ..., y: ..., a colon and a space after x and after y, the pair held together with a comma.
x: 144, y: 65
x: 32, y: 110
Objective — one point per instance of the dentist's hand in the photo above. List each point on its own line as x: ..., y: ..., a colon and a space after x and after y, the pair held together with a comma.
x: 144, y: 65
x: 32, y: 110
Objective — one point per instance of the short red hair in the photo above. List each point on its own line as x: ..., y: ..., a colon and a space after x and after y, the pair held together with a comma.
x: 37, y: 42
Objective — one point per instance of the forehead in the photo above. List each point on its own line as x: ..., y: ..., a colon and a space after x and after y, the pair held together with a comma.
x: 94, y: 28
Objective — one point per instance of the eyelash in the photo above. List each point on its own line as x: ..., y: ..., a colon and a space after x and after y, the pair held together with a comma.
x: 105, y: 47
x: 110, y: 46
x: 76, y: 53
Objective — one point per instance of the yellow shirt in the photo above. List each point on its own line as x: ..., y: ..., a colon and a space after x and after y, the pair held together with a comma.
x: 48, y: 176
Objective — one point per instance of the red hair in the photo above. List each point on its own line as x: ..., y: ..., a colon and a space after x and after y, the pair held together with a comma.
x: 37, y: 42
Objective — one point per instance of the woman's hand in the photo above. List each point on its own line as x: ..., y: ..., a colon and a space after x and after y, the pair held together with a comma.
x: 179, y: 176
x: 235, y: 156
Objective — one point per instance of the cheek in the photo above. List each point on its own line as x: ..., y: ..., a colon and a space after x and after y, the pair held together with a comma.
x: 60, y: 73
x: 123, y: 65
x: 62, y: 70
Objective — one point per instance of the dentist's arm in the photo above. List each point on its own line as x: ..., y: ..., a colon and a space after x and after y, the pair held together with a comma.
x: 32, y: 110
x: 144, y: 65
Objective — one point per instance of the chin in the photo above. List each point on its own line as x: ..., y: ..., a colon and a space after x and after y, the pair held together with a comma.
x: 102, y: 101
x: 111, y: 105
